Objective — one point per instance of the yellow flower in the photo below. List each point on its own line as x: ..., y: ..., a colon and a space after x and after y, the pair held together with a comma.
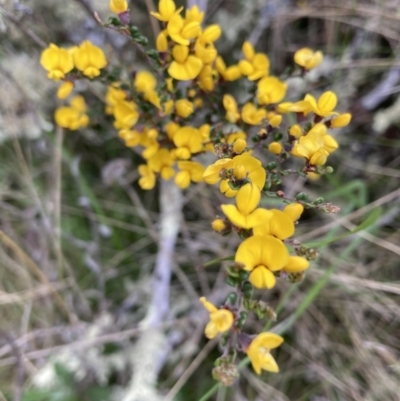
x: 274, y: 121
x: 246, y: 214
x: 188, y: 141
x: 221, y: 320
x: 252, y: 115
x: 262, y: 255
x: 255, y: 65
x: 126, y: 114
x: 145, y: 81
x: 162, y: 41
x: 259, y: 352
x: 232, y: 113
x: 181, y: 31
x: 114, y: 95
x: 189, y: 171
x: 342, y: 120
x: 212, y: 173
x: 206, y: 78
x: 194, y: 14
x: 74, y: 116
x: 307, y: 58
x: 324, y: 106
x: 185, y: 66
x: 171, y: 128
x: 280, y: 225
x: 239, y: 146
x: 118, y: 6
x: 210, y: 34
x: 270, y: 90
x: 255, y: 173
x: 89, y: 59
x: 131, y: 138
x: 147, y: 178
x: 218, y: 225
x: 184, y: 108
x: 275, y: 148
x: 231, y: 73
x: 296, y: 264
x: 65, y: 89
x: 167, y: 10
x: 294, y: 210
x: 296, y: 131
x: 206, y: 52
x: 315, y: 146
x: 56, y: 61
x: 162, y: 162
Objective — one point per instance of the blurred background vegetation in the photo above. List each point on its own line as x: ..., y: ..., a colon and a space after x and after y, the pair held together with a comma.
x: 77, y: 245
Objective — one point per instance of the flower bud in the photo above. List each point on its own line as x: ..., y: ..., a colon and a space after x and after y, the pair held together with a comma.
x: 184, y: 108
x: 275, y: 148
x: 296, y: 131
x: 218, y: 225
x: 240, y: 145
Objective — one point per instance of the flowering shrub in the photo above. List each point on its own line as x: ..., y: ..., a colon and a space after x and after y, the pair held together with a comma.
x: 179, y: 110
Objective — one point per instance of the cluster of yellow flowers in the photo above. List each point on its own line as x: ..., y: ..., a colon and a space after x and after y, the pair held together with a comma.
x: 173, y: 123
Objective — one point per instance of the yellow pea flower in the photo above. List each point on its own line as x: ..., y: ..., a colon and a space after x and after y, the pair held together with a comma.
x: 312, y: 148
x: 184, y: 67
x: 56, y: 61
x: 114, y: 95
x: 274, y: 121
x: 188, y: 141
x: 280, y: 225
x: 325, y: 105
x: 211, y: 34
x: 212, y: 172
x: 118, y: 6
x: 296, y: 264
x: 239, y: 146
x: 255, y: 65
x: 131, y: 138
x: 246, y: 214
x: 296, y: 131
x: 182, y: 32
x: 162, y: 41
x: 189, y: 171
x: 259, y: 352
x: 270, y: 90
x: 206, y: 52
x: 232, y: 113
x: 231, y: 73
x: 65, y: 89
x: 275, y: 147
x: 262, y: 255
x: 252, y: 115
x: 147, y: 178
x: 166, y: 10
x: 144, y: 81
x: 342, y: 120
x: 218, y: 225
x: 294, y: 210
x: 194, y: 14
x: 221, y: 320
x: 184, y: 108
x: 307, y: 58
x: 162, y: 162
x: 126, y: 114
x: 89, y: 59
x: 74, y: 116
x: 206, y: 78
